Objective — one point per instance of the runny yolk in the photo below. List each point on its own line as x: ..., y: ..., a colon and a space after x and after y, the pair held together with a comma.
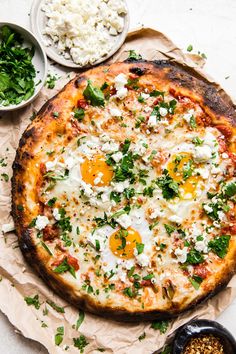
x: 95, y: 171
x: 180, y: 168
x: 123, y: 242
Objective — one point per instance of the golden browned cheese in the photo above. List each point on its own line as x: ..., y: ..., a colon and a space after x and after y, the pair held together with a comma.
x: 126, y: 206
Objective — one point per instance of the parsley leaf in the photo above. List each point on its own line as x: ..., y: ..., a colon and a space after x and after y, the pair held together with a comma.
x: 134, y: 56
x: 195, y: 281
x: 55, y: 307
x: 80, y: 319
x: 169, y: 229
x: 59, y: 335
x: 194, y: 257
x: 230, y: 190
x: 220, y: 245
x: 17, y: 72
x: 33, y: 301
x: 64, y: 267
x: 80, y: 343
x: 140, y: 247
x: 169, y: 187
x: 94, y: 95
x: 162, y: 326
x: 79, y: 114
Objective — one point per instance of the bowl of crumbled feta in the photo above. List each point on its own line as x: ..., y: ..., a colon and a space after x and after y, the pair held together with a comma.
x: 80, y: 33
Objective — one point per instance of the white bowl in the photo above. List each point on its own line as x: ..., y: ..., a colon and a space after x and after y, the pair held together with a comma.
x: 38, y: 22
x: 39, y: 61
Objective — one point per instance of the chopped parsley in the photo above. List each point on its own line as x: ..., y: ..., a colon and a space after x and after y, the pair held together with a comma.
x: 190, y: 48
x: 5, y: 177
x: 52, y: 201
x: 139, y: 121
x: 55, y: 114
x: 156, y: 93
x: 169, y: 187
x: 80, y: 343
x: 162, y: 326
x: 79, y: 114
x: 55, y: 307
x: 140, y: 247
x: 134, y: 56
x: 141, y: 99
x: 196, y: 281
x: 197, y: 141
x: 194, y: 257
x: 169, y: 229
x: 94, y: 95
x: 34, y: 301
x: 188, y: 169
x: 220, y: 245
x: 80, y: 319
x: 192, y: 122
x: 104, y: 86
x: 64, y: 267
x: 142, y: 336
x: 59, y: 335
x: 51, y: 81
x: 115, y: 196
x: 17, y: 72
x: 230, y: 190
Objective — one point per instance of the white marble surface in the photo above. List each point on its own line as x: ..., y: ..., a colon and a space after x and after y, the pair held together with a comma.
x: 210, y: 26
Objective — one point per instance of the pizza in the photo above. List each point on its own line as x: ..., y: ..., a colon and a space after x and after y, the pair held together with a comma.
x: 123, y: 192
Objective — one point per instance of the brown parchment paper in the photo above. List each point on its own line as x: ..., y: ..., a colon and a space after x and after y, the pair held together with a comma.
x: 18, y: 280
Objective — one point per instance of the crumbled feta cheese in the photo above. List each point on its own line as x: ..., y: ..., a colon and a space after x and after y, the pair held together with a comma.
x: 124, y: 221
x: 152, y: 121
x: 202, y: 153
x: 100, y: 235
x: 140, y: 147
x: 98, y: 179
x: 156, y: 214
x: 143, y: 260
x: 163, y: 111
x: 69, y: 162
x: 207, y: 208
x: 56, y: 214
x: 115, y: 112
x: 117, y: 156
x: 145, y: 95
x: 147, y: 109
x: 82, y: 29
x: 201, y: 246
x: 187, y: 116
x: 224, y: 155
x: 203, y: 172
x: 110, y: 146
x: 120, y: 82
x: 104, y: 138
x: 215, y: 170
x: 210, y: 140
x: 176, y: 219
x: 50, y: 165
x: 104, y: 197
x: 120, y: 186
x: 181, y: 254
x: 221, y: 215
x: 41, y: 222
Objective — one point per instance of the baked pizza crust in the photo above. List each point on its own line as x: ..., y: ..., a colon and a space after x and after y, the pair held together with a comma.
x: 181, y: 82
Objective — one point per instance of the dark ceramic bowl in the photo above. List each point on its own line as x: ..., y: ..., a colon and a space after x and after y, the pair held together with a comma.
x: 202, y: 327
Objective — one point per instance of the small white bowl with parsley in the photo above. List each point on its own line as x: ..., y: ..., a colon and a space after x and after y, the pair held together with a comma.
x: 23, y: 66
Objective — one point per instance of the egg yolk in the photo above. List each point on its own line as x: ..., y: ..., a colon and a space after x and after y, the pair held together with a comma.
x: 95, y: 171
x: 123, y: 242
x: 180, y: 168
